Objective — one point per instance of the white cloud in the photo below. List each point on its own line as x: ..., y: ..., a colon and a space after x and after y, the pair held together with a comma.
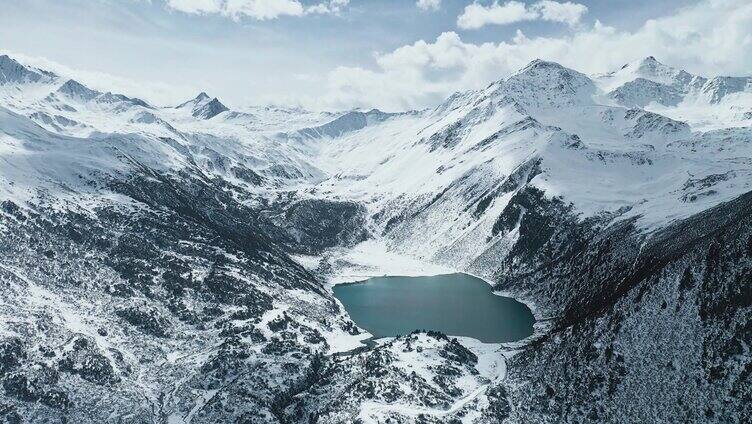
x: 477, y: 16
x: 711, y: 37
x: 428, y: 4
x: 263, y: 9
x: 196, y: 6
x: 255, y: 9
x: 568, y: 13
x: 334, y: 6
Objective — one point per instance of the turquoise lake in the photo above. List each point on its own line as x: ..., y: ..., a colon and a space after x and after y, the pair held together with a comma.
x: 455, y: 304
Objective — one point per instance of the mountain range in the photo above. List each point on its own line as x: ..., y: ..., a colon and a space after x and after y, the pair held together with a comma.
x: 174, y: 264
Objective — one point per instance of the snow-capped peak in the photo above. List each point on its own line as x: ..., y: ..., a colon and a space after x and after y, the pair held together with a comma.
x: 548, y: 84
x: 641, y: 92
x: 204, y: 107
x: 649, y: 69
x: 75, y: 89
x: 650, y: 65
x: 201, y: 98
x: 541, y: 64
x: 210, y: 109
x: 13, y: 72
x: 648, y: 81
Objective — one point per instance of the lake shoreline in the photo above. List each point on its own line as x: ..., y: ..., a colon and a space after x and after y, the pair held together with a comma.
x: 455, y: 304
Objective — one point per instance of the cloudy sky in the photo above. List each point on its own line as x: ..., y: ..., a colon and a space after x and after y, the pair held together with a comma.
x: 340, y: 54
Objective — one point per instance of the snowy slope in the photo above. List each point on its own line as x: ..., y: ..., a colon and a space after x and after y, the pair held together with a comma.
x: 635, y: 142
x: 543, y: 126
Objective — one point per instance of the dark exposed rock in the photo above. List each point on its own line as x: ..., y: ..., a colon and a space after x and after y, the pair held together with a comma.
x: 11, y: 354
x: 36, y: 384
x: 312, y: 225
x: 210, y: 109
x: 83, y: 359
x: 145, y: 319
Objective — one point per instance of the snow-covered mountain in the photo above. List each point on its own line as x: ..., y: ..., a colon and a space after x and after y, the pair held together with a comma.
x: 204, y: 107
x: 704, y: 102
x: 14, y: 73
x: 175, y: 263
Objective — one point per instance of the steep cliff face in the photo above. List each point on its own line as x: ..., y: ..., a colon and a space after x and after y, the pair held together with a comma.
x: 646, y: 327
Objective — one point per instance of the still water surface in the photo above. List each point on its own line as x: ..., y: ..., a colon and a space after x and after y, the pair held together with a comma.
x: 455, y: 304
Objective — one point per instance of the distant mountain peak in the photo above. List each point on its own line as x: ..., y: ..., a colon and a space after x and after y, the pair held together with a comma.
x: 540, y: 63
x: 648, y: 68
x: 544, y: 83
x: 345, y: 123
x: 209, y: 109
x: 72, y: 85
x: 73, y: 88
x: 641, y: 92
x: 197, y: 101
x: 204, y: 107
x: 543, y: 67
x: 651, y: 64
x: 11, y: 71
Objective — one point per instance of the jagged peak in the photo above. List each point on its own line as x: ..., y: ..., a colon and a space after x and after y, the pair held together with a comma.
x: 539, y: 83
x: 7, y: 61
x: 210, y: 109
x: 203, y: 106
x: 196, y: 101
x: 216, y: 104
x: 12, y: 70
x: 75, y: 88
x: 646, y: 64
x: 72, y: 84
x: 651, y: 64
x: 650, y: 67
